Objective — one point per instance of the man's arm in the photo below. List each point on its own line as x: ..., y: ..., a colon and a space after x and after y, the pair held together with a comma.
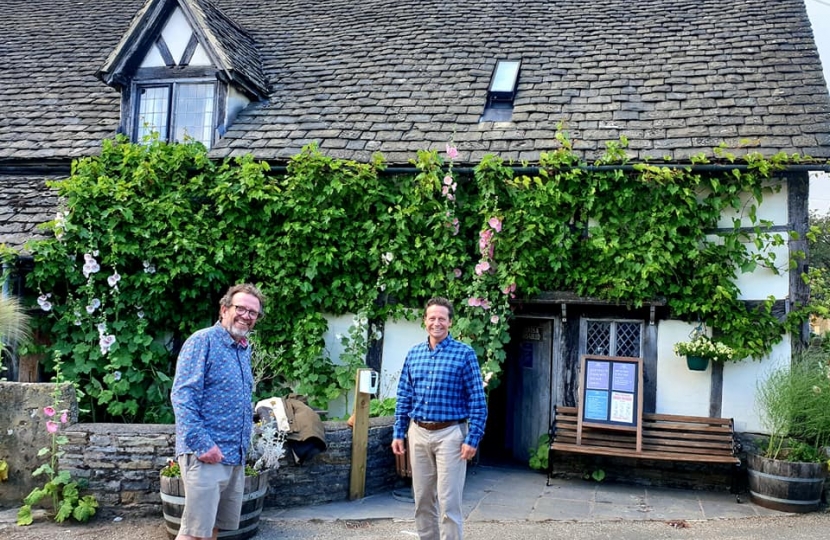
x: 403, y: 406
x: 187, y: 396
x: 474, y: 386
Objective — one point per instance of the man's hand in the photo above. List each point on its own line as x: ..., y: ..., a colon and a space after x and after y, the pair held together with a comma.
x: 398, y: 447
x: 214, y: 455
x: 467, y: 452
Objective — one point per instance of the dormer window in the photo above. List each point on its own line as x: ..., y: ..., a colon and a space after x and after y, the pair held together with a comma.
x: 177, y: 111
x: 185, y: 70
x: 502, y: 91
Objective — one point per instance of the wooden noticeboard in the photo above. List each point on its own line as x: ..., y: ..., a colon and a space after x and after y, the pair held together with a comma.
x: 610, y: 394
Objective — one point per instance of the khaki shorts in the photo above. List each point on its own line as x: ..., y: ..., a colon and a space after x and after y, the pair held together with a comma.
x: 213, y: 496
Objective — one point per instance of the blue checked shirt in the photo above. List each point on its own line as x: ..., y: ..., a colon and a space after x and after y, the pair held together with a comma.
x: 211, y: 395
x: 441, y: 385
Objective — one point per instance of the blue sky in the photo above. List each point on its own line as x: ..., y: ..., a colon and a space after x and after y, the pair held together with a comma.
x: 819, y: 12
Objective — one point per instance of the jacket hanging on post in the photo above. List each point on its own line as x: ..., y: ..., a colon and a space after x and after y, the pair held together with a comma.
x: 306, y: 434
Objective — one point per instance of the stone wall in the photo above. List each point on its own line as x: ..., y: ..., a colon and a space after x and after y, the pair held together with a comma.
x: 121, y: 462
x: 23, y: 432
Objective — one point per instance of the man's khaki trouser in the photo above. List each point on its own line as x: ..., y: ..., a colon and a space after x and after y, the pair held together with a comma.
x: 438, y: 475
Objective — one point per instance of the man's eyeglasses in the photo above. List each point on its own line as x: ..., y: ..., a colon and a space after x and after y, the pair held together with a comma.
x: 243, y: 311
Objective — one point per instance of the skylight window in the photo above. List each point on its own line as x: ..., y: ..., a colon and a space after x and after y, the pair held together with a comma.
x: 504, y: 81
x: 502, y: 91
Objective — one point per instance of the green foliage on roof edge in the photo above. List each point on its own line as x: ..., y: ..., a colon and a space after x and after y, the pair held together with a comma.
x: 150, y: 235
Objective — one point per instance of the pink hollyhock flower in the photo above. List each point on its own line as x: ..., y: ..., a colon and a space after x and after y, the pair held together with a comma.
x: 457, y: 272
x: 452, y: 151
x: 494, y: 319
x: 51, y: 427
x: 64, y: 417
x: 495, y: 223
x: 49, y: 411
x: 448, y: 180
x: 473, y: 302
x: 484, y: 238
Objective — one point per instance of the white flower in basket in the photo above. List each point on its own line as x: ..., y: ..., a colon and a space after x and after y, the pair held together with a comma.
x: 704, y: 347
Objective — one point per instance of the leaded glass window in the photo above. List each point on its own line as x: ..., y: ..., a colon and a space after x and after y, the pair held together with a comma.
x: 176, y: 111
x: 614, y: 338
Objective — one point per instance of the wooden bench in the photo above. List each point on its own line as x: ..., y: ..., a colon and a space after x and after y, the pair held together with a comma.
x: 665, y: 437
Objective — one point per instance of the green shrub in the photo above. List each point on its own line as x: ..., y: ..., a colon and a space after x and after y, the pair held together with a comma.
x: 540, y: 453
x: 794, y: 405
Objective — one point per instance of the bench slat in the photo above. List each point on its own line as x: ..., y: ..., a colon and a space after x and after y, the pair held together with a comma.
x: 701, y: 447
x: 662, y: 456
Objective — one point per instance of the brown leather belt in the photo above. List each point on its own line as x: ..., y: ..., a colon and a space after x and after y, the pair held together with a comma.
x: 434, y: 426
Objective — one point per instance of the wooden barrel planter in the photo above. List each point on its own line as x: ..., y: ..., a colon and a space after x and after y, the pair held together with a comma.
x: 784, y: 485
x: 172, y: 505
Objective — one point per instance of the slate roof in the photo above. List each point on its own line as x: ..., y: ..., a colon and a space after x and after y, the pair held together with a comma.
x: 360, y: 76
x: 25, y: 202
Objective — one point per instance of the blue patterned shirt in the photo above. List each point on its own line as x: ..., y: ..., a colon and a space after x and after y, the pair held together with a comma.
x: 211, y: 395
x: 441, y: 385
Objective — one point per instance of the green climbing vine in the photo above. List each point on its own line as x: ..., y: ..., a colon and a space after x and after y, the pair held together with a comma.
x: 150, y: 235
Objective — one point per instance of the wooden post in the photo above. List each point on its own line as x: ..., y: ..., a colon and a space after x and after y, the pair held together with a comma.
x: 360, y: 440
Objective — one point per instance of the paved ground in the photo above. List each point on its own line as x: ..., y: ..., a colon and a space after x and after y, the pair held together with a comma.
x: 519, y: 494
x: 500, y: 504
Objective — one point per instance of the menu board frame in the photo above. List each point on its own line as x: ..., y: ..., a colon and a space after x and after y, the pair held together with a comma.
x: 610, y: 394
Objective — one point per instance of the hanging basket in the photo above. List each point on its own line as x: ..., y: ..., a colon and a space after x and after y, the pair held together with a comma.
x: 697, y: 363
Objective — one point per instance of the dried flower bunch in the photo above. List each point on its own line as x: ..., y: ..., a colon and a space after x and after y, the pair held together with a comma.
x: 267, y: 446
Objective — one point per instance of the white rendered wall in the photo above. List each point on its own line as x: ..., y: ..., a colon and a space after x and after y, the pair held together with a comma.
x: 686, y: 392
x: 340, y: 407
x: 399, y: 337
x: 235, y: 103
x: 763, y: 282
x: 740, y: 381
x: 773, y: 208
x: 679, y: 390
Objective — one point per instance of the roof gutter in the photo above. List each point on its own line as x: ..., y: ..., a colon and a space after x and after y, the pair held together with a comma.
x: 708, y: 167
x: 63, y: 167
x: 532, y: 171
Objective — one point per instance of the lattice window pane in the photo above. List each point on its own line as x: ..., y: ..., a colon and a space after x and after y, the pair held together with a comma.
x: 152, y: 112
x: 194, y: 112
x: 628, y: 339
x: 598, y: 340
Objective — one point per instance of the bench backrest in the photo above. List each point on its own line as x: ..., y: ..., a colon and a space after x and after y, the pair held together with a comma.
x: 665, y: 436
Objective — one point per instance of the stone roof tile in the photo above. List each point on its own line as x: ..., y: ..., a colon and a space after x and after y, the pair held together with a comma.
x: 682, y: 76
